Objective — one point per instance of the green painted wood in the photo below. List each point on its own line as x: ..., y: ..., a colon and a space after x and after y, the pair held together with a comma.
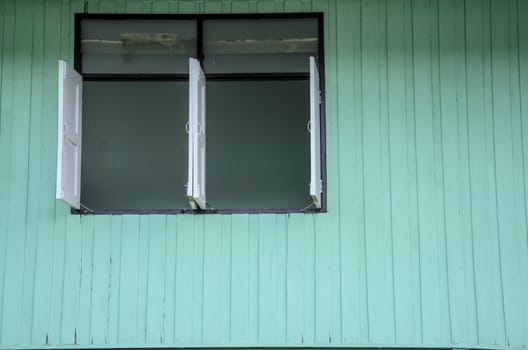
x: 47, y: 156
x: 17, y: 191
x: 487, y: 275
x: 424, y: 243
x: 522, y: 10
x: 6, y: 94
x: 354, y: 324
x: 399, y: 50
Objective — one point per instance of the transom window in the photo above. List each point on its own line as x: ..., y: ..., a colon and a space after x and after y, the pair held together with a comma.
x: 184, y: 113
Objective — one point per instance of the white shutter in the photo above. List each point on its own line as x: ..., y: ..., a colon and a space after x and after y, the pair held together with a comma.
x: 69, y: 136
x: 316, y: 183
x: 196, y: 183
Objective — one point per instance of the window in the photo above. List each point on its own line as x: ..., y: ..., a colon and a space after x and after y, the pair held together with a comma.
x: 184, y: 113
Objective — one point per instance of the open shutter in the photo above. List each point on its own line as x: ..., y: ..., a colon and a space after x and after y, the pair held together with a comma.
x: 196, y: 183
x: 316, y: 183
x: 69, y: 136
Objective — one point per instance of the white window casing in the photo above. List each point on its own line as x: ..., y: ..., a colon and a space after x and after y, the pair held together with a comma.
x: 196, y: 129
x: 316, y: 183
x: 69, y: 136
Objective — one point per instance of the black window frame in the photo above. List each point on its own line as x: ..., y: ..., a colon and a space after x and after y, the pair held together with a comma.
x: 199, y: 18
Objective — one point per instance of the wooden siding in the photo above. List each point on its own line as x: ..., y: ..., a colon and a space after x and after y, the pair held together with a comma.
x: 425, y: 241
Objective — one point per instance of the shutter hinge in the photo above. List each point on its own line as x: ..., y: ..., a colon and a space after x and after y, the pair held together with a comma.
x: 320, y: 97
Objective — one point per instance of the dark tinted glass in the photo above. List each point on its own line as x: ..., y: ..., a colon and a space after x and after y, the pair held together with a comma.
x: 259, y: 45
x: 258, y: 148
x: 134, y: 148
x: 137, y: 46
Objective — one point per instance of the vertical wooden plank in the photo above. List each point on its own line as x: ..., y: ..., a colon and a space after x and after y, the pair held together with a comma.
x: 265, y: 6
x: 444, y: 314
x: 387, y: 185
x: 484, y: 223
x: 226, y: 6
x: 377, y: 204
x: 188, y: 6
x: 456, y: 186
x: 66, y: 31
x: 2, y: 31
x: 6, y: 111
x: 451, y: 172
x: 412, y: 173
x: 519, y: 243
x: 131, y: 6
x: 281, y: 278
x: 239, y: 326
x: 212, y: 280
x: 464, y: 177
x: 252, y: 6
x: 146, y: 6
x: 84, y: 318
x: 184, y: 280
x: 225, y: 291
x: 103, y: 236
x: 57, y: 273
x: 174, y: 6
x: 279, y: 5
x: 91, y: 6
x: 197, y: 324
x: 254, y: 311
x: 33, y: 201
x: 309, y: 281
x: 435, y: 308
x: 307, y: 5
x: 294, y: 280
x: 507, y: 184
x: 143, y: 262
x: 398, y: 50
x: 70, y: 285
x: 240, y: 6
x: 17, y: 159
x: 522, y: 30
x: 212, y: 7
x: 169, y: 288
x: 48, y: 134
x: 293, y: 6
x: 129, y: 280
x: 324, y: 282
x: 267, y: 279
x: 107, y: 7
x: 354, y: 316
x: 160, y: 7
x: 110, y: 326
x: 5, y: 28
x: 156, y: 279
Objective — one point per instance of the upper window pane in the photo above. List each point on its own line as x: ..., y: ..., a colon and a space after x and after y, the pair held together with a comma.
x: 259, y: 45
x: 137, y: 46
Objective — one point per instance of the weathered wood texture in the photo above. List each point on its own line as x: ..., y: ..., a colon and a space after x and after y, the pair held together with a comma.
x: 425, y: 241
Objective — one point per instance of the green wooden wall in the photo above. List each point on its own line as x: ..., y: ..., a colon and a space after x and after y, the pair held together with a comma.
x: 425, y: 240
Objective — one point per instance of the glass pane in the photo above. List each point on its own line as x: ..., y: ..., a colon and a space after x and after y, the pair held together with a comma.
x: 134, y: 148
x: 258, y: 149
x: 259, y: 45
x: 137, y: 46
